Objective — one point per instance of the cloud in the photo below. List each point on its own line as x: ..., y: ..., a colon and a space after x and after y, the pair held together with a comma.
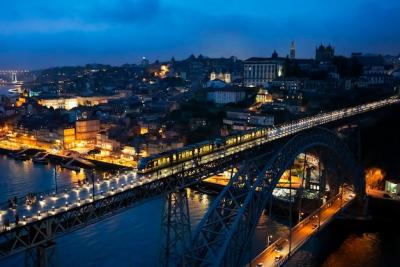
x: 35, y: 16
x: 49, y: 32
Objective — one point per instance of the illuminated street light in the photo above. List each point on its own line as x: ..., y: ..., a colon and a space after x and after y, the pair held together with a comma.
x: 269, y: 238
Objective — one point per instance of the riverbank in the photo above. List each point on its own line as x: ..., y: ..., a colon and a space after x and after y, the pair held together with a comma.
x: 68, y: 162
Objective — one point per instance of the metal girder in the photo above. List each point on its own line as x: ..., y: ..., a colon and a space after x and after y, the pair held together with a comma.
x: 44, y: 255
x: 175, y: 227
x: 224, y: 235
x: 49, y: 226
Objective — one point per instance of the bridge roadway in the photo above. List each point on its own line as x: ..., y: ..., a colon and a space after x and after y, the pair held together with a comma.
x: 55, y: 214
x: 278, y: 252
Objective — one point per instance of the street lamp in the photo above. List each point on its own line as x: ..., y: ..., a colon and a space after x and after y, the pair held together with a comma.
x: 269, y: 238
x: 55, y: 176
x: 93, y: 189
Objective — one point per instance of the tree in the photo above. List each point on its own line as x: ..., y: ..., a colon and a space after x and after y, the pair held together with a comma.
x: 374, y: 178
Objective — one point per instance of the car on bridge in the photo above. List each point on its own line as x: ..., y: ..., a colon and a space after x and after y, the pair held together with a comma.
x: 278, y: 258
x: 279, y: 247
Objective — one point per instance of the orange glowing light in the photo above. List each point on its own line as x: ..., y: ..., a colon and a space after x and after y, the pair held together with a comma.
x: 374, y: 178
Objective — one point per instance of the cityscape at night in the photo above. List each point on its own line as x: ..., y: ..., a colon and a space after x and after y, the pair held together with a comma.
x: 199, y: 133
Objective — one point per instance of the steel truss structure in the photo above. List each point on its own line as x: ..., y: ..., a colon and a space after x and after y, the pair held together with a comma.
x: 223, y: 237
x: 50, y: 226
x: 176, y: 229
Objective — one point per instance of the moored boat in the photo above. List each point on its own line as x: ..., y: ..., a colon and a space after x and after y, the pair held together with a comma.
x: 40, y: 160
x: 21, y: 157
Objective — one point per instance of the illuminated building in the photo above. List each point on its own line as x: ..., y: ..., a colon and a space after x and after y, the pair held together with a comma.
x: 226, y: 95
x: 106, y: 144
x: 238, y: 120
x: 67, y: 137
x: 128, y: 153
x: 259, y: 71
x: 59, y: 103
x: 86, y: 130
x: 263, y: 96
x: 144, y: 130
x: 392, y: 187
x: 226, y: 77
x: 73, y: 102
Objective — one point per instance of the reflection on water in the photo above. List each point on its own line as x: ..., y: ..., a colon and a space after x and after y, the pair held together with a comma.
x: 7, y: 90
x: 77, y: 176
x: 22, y: 177
x: 356, y: 251
x: 368, y: 249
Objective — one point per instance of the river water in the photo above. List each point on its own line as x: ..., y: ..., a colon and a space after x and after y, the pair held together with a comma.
x: 4, y: 90
x: 130, y: 238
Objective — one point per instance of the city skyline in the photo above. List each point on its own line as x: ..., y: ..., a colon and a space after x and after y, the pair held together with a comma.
x: 199, y: 133
x: 43, y: 34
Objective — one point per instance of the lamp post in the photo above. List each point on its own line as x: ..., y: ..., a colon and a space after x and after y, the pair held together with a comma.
x: 301, y: 216
x: 92, y: 174
x: 269, y: 238
x: 55, y: 177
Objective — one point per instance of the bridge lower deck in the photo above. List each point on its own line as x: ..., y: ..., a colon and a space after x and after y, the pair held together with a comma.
x: 302, y: 232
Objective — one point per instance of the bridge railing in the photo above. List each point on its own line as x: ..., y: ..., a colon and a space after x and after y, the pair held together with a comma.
x: 286, y: 238
x: 19, y: 200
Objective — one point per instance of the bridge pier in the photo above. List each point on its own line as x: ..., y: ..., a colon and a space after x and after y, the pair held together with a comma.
x: 42, y: 256
x: 176, y: 230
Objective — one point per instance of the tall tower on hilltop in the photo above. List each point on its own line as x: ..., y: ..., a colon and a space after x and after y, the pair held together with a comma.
x: 293, y: 50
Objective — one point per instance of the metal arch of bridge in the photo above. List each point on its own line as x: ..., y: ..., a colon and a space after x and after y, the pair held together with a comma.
x: 224, y: 235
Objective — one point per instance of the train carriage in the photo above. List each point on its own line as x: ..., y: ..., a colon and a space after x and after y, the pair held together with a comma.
x: 163, y: 160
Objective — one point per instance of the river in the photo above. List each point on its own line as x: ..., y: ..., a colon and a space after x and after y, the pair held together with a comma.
x: 4, y: 90
x: 130, y: 238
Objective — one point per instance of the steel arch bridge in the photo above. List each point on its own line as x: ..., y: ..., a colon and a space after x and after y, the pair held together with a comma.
x: 224, y: 235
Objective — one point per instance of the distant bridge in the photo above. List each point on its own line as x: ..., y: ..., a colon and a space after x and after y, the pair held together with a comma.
x: 13, y: 74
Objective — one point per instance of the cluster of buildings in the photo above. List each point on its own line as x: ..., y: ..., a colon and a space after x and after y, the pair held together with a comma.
x: 118, y: 114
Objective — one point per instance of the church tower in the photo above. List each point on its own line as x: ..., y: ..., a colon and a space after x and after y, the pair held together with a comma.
x: 293, y: 50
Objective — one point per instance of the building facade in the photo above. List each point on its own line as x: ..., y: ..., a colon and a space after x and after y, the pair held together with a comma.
x: 259, y: 71
x: 86, y: 130
x: 240, y: 120
x: 226, y: 95
x: 324, y: 53
x: 226, y: 77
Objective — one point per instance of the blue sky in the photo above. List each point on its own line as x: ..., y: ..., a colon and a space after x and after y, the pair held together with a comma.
x: 41, y: 33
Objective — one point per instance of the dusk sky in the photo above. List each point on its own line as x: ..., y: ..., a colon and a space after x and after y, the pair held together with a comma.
x: 42, y: 33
